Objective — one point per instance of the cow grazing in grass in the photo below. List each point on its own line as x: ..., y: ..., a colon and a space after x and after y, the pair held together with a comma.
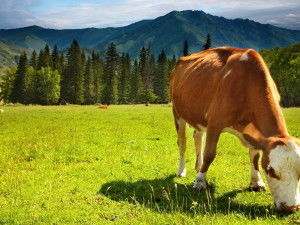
x: 103, y: 106
x: 230, y: 90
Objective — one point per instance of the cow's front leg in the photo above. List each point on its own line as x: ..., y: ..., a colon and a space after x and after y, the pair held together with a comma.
x: 257, y: 183
x: 208, y: 157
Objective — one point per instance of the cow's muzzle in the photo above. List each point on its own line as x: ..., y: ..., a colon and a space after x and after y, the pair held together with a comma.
x: 285, y: 208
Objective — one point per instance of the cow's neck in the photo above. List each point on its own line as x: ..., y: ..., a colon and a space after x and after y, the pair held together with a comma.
x: 267, y: 114
x: 269, y: 120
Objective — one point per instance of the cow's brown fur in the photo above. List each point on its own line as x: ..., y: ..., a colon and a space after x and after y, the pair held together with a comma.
x: 103, y: 106
x: 217, y: 90
x: 255, y: 161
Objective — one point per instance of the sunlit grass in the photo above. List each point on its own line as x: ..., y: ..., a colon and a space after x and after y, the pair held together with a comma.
x: 84, y: 165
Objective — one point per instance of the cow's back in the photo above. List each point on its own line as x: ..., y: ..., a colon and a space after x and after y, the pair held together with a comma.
x: 215, y: 83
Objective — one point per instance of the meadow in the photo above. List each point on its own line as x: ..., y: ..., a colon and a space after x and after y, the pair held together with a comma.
x: 84, y: 165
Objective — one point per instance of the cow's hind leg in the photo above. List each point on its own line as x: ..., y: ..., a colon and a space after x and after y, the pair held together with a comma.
x: 180, y: 127
x: 257, y: 183
x: 212, y: 137
x: 199, y: 139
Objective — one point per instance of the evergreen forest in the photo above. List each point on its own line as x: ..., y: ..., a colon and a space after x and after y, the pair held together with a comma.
x: 76, y: 77
x: 53, y: 77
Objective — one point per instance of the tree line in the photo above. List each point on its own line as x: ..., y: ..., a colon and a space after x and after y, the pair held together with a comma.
x: 51, y: 77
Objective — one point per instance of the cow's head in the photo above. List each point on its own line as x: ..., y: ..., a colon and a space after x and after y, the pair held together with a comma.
x: 281, y: 163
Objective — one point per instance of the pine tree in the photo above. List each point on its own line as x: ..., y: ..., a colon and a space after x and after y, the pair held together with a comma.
x: 89, y: 91
x: 149, y: 96
x: 143, y: 60
x: 40, y: 63
x: 207, y: 44
x: 147, y: 69
x: 161, y: 79
x: 109, y: 95
x: 33, y: 60
x: 171, y: 65
x: 18, y: 86
x: 135, y: 83
x: 44, y: 59
x: 151, y: 71
x: 83, y: 60
x: 97, y: 67
x: 55, y: 59
x: 123, y: 87
x: 185, y: 48
x: 72, y: 83
x: 61, y: 64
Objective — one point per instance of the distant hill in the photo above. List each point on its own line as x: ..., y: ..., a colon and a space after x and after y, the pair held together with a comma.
x: 168, y: 32
x: 9, y: 54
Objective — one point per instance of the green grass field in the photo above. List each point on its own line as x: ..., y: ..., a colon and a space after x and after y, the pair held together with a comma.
x: 84, y: 165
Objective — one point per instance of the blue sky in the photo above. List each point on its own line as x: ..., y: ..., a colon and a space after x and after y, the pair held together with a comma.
x: 103, y: 13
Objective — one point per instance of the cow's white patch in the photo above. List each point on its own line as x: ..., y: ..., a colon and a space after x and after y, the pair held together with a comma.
x: 226, y: 74
x: 200, y: 181
x: 205, y: 116
x: 182, y: 169
x: 244, y: 57
x: 293, y: 146
x: 285, y: 161
x: 256, y: 180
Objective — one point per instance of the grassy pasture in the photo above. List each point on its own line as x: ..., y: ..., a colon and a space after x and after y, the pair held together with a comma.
x: 83, y: 165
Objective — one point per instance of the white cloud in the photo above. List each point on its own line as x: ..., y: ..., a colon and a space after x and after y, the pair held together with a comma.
x: 14, y: 13
x: 286, y: 16
x: 102, y: 15
x: 293, y: 15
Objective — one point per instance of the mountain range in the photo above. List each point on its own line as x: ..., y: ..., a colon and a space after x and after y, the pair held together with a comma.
x: 167, y: 32
x: 9, y: 54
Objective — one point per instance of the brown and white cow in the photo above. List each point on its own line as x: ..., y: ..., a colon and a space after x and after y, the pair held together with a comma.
x: 230, y: 90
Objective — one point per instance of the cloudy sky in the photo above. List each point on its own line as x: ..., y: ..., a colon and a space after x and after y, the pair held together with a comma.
x: 103, y: 13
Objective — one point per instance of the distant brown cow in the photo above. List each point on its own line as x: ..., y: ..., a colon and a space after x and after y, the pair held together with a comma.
x: 230, y: 90
x: 103, y: 106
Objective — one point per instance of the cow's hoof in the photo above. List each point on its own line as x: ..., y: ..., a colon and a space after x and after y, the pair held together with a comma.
x: 257, y: 188
x: 181, y: 172
x: 200, y: 185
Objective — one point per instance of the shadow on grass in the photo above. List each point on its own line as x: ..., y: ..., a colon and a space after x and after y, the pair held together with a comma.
x: 164, y: 195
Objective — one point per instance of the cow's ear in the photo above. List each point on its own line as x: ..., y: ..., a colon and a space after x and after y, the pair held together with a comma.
x: 278, y: 142
x: 254, y: 142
